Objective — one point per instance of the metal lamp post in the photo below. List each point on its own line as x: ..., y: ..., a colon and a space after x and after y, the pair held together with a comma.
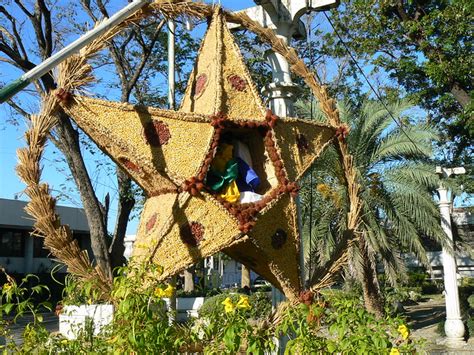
x: 453, y: 327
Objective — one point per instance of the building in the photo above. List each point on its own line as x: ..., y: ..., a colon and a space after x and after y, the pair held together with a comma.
x: 463, y: 234
x: 20, y: 253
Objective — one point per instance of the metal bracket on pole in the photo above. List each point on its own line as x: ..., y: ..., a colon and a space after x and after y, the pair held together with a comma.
x: 41, y: 69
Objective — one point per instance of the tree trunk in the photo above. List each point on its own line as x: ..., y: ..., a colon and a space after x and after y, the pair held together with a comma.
x: 69, y: 146
x: 189, y: 280
x: 125, y: 206
x: 245, y: 279
x: 373, y: 299
x: 460, y: 95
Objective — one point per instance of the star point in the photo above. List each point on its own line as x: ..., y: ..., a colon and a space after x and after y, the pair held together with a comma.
x: 173, y: 155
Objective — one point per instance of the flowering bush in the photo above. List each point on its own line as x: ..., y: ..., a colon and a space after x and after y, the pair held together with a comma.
x: 335, y: 323
x: 228, y: 329
x: 340, y: 324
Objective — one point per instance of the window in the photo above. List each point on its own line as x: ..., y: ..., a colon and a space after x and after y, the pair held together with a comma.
x: 12, y: 242
x: 38, y: 248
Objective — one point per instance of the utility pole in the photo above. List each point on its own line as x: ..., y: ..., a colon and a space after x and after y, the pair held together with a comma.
x: 453, y: 327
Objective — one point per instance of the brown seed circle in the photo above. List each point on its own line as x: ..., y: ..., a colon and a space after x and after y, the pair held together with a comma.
x: 200, y: 86
x: 192, y: 233
x: 156, y: 133
x: 238, y: 83
x: 279, y: 238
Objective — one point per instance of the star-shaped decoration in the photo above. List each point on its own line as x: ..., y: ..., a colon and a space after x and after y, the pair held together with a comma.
x: 170, y: 153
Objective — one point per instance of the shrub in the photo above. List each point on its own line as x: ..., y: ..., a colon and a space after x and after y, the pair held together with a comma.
x: 440, y: 328
x: 198, y: 293
x: 212, y: 307
x: 340, y: 324
x: 470, y: 326
x: 470, y: 300
x: 261, y: 305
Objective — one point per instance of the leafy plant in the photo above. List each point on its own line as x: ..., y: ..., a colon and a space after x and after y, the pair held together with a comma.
x: 18, y: 300
x: 397, y: 183
x: 227, y: 329
x: 340, y: 324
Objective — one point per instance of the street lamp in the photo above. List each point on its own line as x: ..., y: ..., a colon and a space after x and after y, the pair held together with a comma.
x: 453, y: 327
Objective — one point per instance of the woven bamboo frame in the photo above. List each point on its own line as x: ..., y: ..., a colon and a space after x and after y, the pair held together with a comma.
x: 76, y: 73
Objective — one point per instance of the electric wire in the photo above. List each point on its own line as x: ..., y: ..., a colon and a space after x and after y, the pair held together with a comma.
x: 377, y: 95
x: 311, y: 64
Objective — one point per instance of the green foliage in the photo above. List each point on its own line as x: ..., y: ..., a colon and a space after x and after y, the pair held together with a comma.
x: 212, y: 306
x: 470, y: 327
x: 423, y: 46
x: 403, y: 294
x: 261, y: 305
x: 77, y: 291
x: 198, y: 293
x: 336, y: 323
x: 227, y: 329
x: 440, y: 328
x: 340, y: 324
x: 397, y: 184
x: 470, y: 300
x: 17, y: 300
x: 419, y: 279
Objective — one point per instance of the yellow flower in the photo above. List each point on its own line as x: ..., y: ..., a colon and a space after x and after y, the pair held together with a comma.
x: 6, y: 287
x: 243, y: 302
x: 228, y: 305
x: 324, y: 190
x: 64, y: 341
x: 159, y: 292
x: 394, y: 351
x: 403, y: 330
x: 168, y: 292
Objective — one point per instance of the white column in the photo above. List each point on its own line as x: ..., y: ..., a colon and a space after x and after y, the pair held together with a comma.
x: 454, y: 327
x: 281, y: 91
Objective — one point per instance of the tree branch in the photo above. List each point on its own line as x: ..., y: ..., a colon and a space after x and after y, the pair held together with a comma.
x: 18, y: 109
x: 147, y: 50
x: 23, y: 8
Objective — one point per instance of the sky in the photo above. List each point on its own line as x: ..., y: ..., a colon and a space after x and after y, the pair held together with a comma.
x: 55, y: 171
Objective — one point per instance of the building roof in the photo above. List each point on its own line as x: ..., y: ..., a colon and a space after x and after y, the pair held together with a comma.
x: 12, y: 214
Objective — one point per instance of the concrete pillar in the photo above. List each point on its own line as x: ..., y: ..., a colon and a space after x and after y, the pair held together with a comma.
x: 281, y: 91
x: 454, y: 327
x: 245, y: 277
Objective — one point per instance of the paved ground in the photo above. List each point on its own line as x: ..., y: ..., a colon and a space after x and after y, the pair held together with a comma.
x: 50, y: 321
x: 423, y: 320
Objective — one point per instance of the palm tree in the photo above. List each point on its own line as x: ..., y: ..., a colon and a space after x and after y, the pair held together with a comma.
x: 397, y: 185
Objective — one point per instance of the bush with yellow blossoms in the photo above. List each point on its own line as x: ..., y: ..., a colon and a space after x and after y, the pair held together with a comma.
x: 334, y: 323
x: 337, y: 323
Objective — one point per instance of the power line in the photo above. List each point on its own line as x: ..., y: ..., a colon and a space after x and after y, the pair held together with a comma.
x: 377, y: 95
x: 311, y: 62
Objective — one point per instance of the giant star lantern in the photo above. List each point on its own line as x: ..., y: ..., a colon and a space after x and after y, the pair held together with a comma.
x: 169, y: 154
